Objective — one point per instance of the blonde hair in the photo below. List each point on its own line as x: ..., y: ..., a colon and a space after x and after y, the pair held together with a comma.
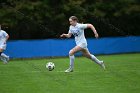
x: 74, y: 18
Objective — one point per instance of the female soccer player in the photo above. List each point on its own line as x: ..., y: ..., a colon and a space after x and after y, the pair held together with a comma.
x: 77, y: 30
x: 3, y: 39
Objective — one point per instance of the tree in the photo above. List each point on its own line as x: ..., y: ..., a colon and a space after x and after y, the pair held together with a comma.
x: 39, y: 19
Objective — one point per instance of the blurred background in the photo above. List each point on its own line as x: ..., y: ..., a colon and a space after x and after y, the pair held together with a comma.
x: 42, y: 19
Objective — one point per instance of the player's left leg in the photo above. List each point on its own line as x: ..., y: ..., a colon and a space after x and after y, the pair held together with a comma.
x: 71, y: 56
x: 87, y: 54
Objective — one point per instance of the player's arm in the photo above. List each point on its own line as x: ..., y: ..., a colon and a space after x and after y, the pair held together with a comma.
x: 66, y: 35
x: 93, y: 29
x: 7, y: 37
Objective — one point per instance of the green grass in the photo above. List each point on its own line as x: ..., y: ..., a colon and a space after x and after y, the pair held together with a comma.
x: 31, y: 76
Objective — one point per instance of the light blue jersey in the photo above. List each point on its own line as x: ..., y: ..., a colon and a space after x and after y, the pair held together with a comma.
x: 3, y: 35
x: 78, y: 32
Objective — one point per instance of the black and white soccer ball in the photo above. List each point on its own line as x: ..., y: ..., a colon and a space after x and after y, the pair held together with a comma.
x: 50, y: 66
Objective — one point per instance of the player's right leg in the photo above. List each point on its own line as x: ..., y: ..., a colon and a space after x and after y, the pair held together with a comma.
x: 87, y: 54
x: 71, y: 56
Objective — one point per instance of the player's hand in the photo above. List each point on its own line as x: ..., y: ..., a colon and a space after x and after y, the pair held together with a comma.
x: 62, y: 35
x: 96, y: 35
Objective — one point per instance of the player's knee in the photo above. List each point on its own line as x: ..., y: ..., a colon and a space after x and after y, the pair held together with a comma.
x: 71, y: 53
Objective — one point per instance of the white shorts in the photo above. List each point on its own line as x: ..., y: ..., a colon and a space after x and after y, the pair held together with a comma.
x: 83, y: 45
x: 3, y: 46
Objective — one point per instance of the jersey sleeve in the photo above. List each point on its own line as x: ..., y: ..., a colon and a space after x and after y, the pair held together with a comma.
x: 69, y: 30
x: 83, y: 26
x: 5, y: 34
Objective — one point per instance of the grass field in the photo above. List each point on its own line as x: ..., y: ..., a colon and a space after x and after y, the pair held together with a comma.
x: 31, y: 76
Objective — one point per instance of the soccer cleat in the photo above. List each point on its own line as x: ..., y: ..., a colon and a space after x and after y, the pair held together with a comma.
x: 69, y: 70
x: 102, y: 65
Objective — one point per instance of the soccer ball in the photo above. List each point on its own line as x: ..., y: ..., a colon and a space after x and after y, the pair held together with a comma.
x: 50, y: 66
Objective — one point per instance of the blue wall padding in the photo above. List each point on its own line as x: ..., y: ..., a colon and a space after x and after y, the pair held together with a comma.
x: 61, y: 47
x: 114, y: 45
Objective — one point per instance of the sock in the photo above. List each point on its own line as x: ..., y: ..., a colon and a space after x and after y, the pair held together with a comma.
x: 93, y: 58
x: 3, y: 55
x: 71, y: 61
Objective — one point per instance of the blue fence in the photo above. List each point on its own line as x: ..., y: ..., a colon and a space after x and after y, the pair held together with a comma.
x: 61, y: 47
